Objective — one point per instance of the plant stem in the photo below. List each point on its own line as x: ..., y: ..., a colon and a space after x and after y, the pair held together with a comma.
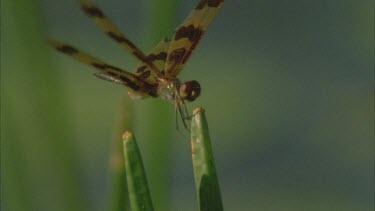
x: 139, y: 192
x: 206, y: 182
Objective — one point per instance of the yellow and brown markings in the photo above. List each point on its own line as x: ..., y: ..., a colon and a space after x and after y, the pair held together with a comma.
x: 160, y: 56
x: 114, y: 33
x: 127, y: 78
x: 157, y: 56
x: 189, y: 34
x: 210, y: 3
x: 164, y: 62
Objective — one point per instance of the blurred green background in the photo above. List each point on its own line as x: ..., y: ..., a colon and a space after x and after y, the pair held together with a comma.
x: 288, y: 88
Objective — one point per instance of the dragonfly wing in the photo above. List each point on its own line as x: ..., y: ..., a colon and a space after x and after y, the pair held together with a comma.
x: 108, y: 72
x: 110, y: 29
x: 157, y: 56
x: 106, y: 77
x: 188, y: 35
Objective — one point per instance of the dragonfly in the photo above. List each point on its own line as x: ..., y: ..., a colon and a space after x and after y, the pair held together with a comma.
x: 156, y: 74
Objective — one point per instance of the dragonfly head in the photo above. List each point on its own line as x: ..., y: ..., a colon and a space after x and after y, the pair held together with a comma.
x: 190, y: 90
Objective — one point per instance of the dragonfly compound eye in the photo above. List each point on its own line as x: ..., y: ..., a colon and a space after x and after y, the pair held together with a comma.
x: 190, y: 90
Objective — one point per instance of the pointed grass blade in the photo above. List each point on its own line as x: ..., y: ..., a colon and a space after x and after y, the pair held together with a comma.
x: 139, y: 192
x: 206, y: 182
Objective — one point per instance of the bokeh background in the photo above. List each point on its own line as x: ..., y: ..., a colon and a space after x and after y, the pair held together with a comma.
x: 288, y: 88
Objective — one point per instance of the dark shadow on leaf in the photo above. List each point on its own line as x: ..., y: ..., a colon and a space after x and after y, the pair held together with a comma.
x: 209, y: 195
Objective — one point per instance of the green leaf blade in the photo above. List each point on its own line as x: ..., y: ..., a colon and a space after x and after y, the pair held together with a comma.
x: 139, y: 193
x: 206, y: 182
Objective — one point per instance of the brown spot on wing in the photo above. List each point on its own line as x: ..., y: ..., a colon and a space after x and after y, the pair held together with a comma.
x: 99, y: 65
x: 129, y: 83
x: 161, y: 56
x: 190, y: 32
x: 141, y: 69
x: 210, y: 3
x: 144, y: 59
x: 92, y: 11
x: 196, y: 38
x: 67, y: 49
x: 145, y: 75
x: 177, y: 55
x: 105, y: 66
x: 121, y: 39
x: 175, y: 58
x: 214, y: 3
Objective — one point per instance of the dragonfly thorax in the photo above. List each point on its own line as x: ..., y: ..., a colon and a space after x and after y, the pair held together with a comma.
x: 173, y: 89
x: 168, y: 89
